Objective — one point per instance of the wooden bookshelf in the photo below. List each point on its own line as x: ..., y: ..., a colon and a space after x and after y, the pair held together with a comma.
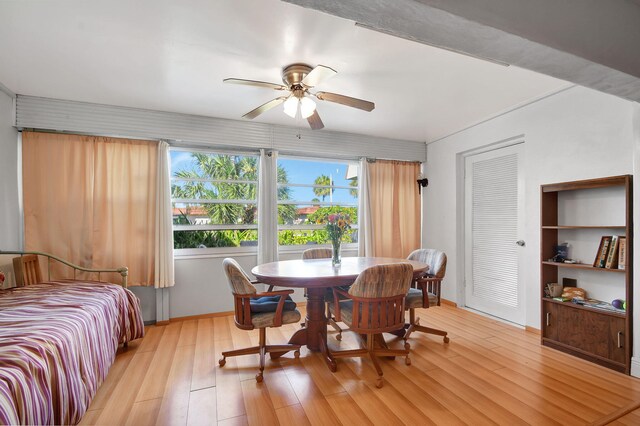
x: 585, y: 227
x: 581, y: 266
x: 601, y: 336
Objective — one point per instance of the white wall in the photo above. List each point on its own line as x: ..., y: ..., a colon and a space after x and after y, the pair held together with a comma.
x: 9, y: 207
x: 575, y: 134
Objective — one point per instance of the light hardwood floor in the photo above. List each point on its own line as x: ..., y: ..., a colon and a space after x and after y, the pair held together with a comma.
x: 490, y: 373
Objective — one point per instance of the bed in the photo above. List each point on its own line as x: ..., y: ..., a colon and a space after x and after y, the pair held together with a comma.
x: 57, y: 342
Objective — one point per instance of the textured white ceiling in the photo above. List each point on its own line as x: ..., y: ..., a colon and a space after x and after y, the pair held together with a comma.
x: 173, y: 55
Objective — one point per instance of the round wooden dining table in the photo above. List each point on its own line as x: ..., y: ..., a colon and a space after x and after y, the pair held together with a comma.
x: 316, y: 275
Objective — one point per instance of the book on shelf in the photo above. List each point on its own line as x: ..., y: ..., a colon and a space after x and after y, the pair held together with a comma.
x: 603, y: 250
x: 622, y: 253
x: 612, y: 256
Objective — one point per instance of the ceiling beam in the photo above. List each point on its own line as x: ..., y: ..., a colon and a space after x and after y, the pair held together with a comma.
x: 588, y: 42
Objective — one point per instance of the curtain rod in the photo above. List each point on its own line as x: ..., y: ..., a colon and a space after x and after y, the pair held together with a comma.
x: 96, y: 135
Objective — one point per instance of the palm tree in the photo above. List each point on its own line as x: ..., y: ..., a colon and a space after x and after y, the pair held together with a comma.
x: 322, y: 192
x: 286, y: 212
x: 221, y: 167
x: 354, y: 184
x: 228, y: 167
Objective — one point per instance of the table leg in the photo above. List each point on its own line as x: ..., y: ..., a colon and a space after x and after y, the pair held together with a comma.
x: 316, y: 321
x: 314, y: 333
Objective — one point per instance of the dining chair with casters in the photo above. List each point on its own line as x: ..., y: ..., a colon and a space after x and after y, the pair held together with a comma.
x: 324, y: 253
x: 374, y: 305
x: 258, y: 310
x: 426, y: 293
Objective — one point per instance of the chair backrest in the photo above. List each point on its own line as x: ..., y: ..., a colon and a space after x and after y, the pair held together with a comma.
x: 317, y: 253
x: 240, y: 285
x: 378, y: 296
x: 27, y: 270
x: 436, y: 260
x: 238, y: 280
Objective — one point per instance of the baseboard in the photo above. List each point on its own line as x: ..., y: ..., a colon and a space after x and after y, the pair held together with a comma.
x: 197, y: 317
x: 205, y: 316
x: 532, y: 329
x: 448, y: 302
x: 635, y: 366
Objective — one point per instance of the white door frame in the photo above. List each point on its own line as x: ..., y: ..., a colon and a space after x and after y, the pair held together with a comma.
x: 460, y: 210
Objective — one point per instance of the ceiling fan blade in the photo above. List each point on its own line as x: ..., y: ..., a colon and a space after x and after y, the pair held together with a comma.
x: 346, y: 100
x: 318, y: 75
x: 255, y: 83
x: 265, y: 107
x: 314, y: 121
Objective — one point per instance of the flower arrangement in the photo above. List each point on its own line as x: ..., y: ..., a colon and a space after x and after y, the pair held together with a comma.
x: 337, y: 225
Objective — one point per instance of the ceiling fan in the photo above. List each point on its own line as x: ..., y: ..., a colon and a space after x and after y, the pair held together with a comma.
x: 298, y: 79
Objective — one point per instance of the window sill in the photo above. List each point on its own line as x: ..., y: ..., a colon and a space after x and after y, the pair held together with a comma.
x: 221, y: 252
x: 213, y: 252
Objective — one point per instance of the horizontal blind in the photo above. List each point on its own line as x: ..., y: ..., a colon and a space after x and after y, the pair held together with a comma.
x: 96, y: 119
x: 107, y: 120
x: 494, y: 229
x: 347, y: 145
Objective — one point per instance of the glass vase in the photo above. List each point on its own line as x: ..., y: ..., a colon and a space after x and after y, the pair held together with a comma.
x: 336, y: 256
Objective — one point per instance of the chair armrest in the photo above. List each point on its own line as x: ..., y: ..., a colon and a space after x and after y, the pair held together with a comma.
x: 429, y: 284
x: 277, y: 319
x: 254, y: 282
x: 336, y: 300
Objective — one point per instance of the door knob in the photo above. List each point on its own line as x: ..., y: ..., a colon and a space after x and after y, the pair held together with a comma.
x: 520, y: 243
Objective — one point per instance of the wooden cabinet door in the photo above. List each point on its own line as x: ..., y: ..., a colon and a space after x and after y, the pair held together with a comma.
x: 550, y: 320
x: 584, y: 330
x: 616, y: 340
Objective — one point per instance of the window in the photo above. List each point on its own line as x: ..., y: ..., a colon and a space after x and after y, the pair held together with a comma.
x: 309, y: 191
x: 214, y: 197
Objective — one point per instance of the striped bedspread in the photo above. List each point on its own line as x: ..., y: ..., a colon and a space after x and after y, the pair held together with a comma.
x: 57, y: 342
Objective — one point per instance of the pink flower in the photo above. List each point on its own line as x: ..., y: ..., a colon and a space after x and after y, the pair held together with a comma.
x: 332, y: 218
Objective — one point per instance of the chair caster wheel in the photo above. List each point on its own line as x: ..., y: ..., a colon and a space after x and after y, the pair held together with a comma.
x: 296, y: 353
x: 379, y: 382
x: 222, y: 362
x: 407, y: 346
x: 446, y: 339
x: 339, y: 337
x: 407, y: 361
x: 259, y: 377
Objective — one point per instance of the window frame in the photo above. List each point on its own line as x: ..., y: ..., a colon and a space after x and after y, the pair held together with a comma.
x: 302, y: 247
x: 215, y: 251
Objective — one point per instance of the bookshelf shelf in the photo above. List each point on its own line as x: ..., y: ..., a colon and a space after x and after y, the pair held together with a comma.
x: 584, y: 227
x: 598, y: 335
x: 576, y: 306
x: 582, y: 266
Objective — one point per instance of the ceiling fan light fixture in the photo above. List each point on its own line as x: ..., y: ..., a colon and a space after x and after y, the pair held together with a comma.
x: 291, y: 107
x: 298, y: 78
x: 307, y: 107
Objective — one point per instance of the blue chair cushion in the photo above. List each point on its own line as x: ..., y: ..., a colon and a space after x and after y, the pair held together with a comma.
x: 270, y: 304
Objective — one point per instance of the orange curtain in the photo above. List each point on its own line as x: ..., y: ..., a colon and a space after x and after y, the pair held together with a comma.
x: 91, y: 200
x: 395, y: 208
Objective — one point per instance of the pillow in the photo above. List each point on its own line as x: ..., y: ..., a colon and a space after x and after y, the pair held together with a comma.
x: 270, y: 304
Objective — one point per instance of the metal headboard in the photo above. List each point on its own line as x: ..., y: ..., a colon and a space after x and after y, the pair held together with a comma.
x: 124, y: 272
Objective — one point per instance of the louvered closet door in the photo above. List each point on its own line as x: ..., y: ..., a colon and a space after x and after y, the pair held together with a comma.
x: 493, y: 232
